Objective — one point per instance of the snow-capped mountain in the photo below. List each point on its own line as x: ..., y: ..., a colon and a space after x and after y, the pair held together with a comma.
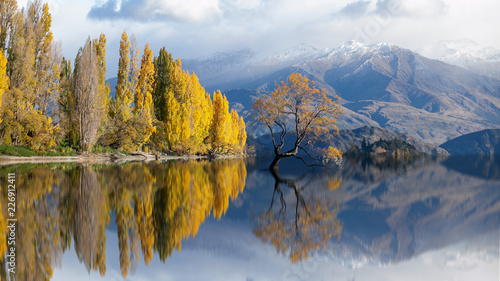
x: 220, y: 70
x: 220, y: 63
x: 296, y: 54
x: 381, y: 85
x: 466, y: 54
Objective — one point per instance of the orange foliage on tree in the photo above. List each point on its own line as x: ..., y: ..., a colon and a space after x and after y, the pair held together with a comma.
x: 299, y: 107
x: 188, y: 119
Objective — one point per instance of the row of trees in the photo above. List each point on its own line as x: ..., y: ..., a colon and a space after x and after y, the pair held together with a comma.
x: 47, y: 100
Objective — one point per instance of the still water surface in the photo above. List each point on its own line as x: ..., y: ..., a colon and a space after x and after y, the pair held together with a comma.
x: 234, y: 220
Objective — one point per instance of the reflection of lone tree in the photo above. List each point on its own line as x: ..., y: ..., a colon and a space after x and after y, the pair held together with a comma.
x: 301, y: 107
x: 313, y: 224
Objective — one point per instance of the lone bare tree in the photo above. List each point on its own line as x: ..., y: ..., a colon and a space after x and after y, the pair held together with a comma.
x: 308, y: 111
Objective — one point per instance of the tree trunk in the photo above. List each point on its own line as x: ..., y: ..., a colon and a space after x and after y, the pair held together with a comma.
x: 274, y: 164
x: 278, y: 156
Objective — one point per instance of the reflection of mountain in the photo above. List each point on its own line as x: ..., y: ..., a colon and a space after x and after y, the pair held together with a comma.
x: 486, y: 167
x: 408, y: 214
x: 378, y: 169
x: 389, y: 213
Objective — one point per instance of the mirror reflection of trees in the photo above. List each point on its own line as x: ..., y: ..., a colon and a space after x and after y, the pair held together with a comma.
x: 156, y: 206
x: 38, y: 245
x: 84, y: 210
x: 310, y: 224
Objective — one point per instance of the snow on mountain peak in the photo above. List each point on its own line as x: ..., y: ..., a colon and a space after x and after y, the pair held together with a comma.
x: 355, y: 49
x: 299, y: 52
x: 236, y: 55
x: 458, y: 52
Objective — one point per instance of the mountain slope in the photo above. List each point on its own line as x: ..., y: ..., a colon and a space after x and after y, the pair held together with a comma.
x: 486, y: 142
x: 466, y: 54
x: 386, y: 86
x: 346, y: 138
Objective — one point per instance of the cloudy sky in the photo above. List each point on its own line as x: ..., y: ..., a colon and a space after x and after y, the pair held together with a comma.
x: 194, y: 28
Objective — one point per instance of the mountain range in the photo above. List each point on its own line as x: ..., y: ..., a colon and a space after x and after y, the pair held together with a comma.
x: 466, y: 54
x: 381, y: 85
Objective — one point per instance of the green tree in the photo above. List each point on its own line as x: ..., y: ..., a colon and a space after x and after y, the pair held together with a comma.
x: 164, y: 66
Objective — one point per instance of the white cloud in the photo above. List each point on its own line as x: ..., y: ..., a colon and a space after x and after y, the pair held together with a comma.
x: 193, y: 28
x: 194, y: 11
x: 414, y: 9
x: 191, y: 10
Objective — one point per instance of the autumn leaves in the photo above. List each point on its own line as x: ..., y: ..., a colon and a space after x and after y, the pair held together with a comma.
x: 47, y: 101
x: 28, y: 76
x: 162, y: 107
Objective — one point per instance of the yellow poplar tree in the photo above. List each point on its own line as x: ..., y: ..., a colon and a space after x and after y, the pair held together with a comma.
x: 187, y: 118
x: 234, y: 129
x: 103, y: 87
x: 200, y: 117
x: 143, y: 104
x: 125, y: 130
x: 123, y: 95
x: 242, y: 135
x: 4, y: 79
x: 220, y: 133
x: 172, y: 126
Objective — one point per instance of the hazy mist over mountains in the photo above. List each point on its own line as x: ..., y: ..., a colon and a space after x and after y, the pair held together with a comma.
x: 381, y: 85
x: 466, y: 54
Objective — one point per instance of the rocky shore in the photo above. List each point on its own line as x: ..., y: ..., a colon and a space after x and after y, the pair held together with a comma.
x: 90, y: 158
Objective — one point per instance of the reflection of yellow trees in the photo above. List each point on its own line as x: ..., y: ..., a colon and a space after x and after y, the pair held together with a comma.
x: 187, y: 192
x: 313, y: 225
x: 129, y: 192
x: 156, y: 207
x: 3, y: 227
x: 143, y: 202
x: 37, y: 239
x: 85, y: 213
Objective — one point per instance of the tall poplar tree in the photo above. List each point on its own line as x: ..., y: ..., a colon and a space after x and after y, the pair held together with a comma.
x: 220, y: 128
x: 8, y: 10
x: 123, y: 96
x: 4, y: 79
x: 88, y: 106
x: 164, y: 67
x: 143, y: 102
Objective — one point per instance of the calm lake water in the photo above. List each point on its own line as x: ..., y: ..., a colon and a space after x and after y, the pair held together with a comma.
x: 422, y: 219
